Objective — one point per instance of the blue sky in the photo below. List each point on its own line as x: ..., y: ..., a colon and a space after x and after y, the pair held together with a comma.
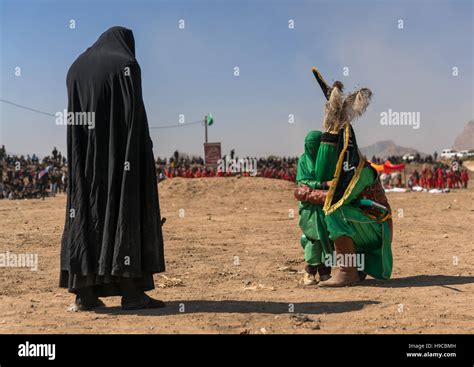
x: 190, y: 71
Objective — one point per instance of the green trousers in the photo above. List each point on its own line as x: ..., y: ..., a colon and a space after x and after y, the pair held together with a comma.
x: 313, y: 251
x: 371, y: 238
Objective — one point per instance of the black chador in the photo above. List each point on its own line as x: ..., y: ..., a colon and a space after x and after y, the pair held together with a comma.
x: 112, y: 242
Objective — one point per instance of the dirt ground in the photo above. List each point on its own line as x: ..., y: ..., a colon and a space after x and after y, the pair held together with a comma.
x: 234, y: 263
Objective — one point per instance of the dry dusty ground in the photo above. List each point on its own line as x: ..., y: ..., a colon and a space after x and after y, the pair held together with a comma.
x: 233, y: 263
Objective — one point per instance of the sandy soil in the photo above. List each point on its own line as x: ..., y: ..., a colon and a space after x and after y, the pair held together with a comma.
x: 234, y: 264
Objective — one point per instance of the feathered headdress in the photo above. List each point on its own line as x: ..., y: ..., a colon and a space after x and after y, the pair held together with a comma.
x: 340, y: 109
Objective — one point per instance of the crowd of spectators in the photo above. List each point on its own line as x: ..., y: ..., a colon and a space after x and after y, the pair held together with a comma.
x: 27, y: 177
x: 180, y: 165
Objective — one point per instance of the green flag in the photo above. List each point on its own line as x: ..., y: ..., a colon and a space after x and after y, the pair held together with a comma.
x: 209, y: 119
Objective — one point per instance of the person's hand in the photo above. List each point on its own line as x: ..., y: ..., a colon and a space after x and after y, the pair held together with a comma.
x: 302, y: 193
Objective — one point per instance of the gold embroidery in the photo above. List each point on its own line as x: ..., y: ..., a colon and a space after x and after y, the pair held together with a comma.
x: 328, y: 208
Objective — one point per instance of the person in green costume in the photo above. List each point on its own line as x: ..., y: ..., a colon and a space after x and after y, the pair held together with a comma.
x: 357, y: 215
x: 315, y: 238
x: 359, y: 230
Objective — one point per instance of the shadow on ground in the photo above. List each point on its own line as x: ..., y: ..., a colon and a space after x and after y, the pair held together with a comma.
x: 228, y: 306
x: 420, y: 281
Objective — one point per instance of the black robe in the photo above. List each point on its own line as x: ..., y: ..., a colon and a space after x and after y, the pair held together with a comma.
x: 113, y: 224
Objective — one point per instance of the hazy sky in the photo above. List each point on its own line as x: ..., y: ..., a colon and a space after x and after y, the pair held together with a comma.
x: 191, y: 71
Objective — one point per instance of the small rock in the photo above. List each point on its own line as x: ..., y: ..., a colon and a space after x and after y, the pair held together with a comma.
x: 300, y: 318
x: 72, y: 308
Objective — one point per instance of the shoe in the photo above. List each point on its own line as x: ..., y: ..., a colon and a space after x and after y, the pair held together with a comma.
x: 145, y: 302
x: 82, y: 305
x: 324, y: 272
x: 309, y: 279
x: 346, y: 275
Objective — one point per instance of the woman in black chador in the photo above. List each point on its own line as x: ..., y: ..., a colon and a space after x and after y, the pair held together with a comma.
x: 112, y: 242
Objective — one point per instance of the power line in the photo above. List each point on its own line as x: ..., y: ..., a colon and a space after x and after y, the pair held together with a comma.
x: 180, y: 125
x: 27, y: 108
x: 53, y: 115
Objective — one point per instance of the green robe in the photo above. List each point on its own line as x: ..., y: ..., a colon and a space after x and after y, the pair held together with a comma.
x: 343, y: 217
x: 315, y: 239
x: 370, y: 237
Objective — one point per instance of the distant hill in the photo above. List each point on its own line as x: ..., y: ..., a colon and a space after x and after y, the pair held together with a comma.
x: 465, y: 140
x: 386, y: 148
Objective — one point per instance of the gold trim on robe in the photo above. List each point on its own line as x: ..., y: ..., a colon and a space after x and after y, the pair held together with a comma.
x: 329, y: 208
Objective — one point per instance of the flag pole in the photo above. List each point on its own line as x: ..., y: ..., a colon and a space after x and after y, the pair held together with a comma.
x: 205, y: 129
